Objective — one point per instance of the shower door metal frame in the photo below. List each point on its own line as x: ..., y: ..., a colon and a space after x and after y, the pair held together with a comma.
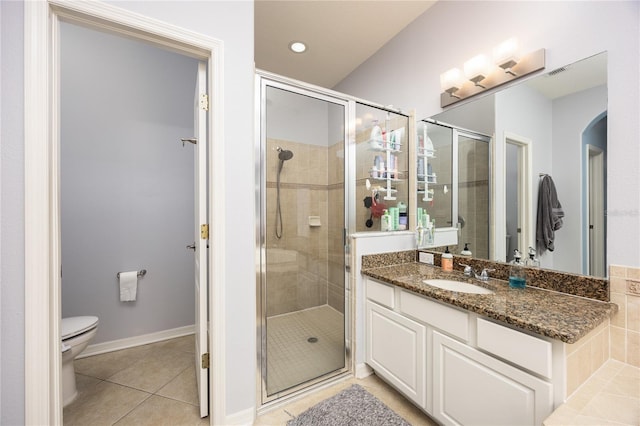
x: 263, y: 80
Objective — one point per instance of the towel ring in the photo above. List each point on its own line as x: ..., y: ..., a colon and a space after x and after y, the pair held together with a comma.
x: 141, y: 273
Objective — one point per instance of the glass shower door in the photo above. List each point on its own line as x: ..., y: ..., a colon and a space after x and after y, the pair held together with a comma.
x: 302, y: 282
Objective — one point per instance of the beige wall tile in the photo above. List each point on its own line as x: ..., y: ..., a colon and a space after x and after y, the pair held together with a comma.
x: 618, y: 344
x: 617, y: 271
x: 619, y: 319
x: 618, y: 285
x: 633, y: 273
x: 633, y: 348
x: 633, y: 313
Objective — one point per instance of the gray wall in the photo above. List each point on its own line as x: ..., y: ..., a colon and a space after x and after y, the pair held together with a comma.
x: 229, y: 21
x: 126, y: 181
x: 11, y: 215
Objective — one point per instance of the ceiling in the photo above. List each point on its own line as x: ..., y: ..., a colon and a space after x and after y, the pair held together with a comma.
x: 340, y: 35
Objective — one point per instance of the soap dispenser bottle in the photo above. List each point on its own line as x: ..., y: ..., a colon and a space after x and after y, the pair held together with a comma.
x: 532, y: 260
x: 447, y: 260
x: 465, y: 251
x: 517, y: 272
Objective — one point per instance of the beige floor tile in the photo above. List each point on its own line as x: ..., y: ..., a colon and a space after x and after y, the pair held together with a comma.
x: 157, y: 411
x: 615, y: 408
x: 84, y: 383
x: 105, y: 365
x: 154, y: 370
x: 183, y: 388
x: 183, y: 344
x: 102, y: 404
x: 594, y: 421
x: 625, y: 386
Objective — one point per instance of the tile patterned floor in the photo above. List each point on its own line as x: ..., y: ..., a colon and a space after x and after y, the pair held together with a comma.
x: 374, y: 385
x: 147, y: 385
x: 291, y: 358
x: 610, y: 397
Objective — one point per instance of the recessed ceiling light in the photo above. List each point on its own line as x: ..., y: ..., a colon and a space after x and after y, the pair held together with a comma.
x: 297, y: 46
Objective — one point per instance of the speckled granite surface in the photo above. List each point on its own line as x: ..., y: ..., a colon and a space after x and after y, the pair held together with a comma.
x: 564, y: 282
x: 548, y: 313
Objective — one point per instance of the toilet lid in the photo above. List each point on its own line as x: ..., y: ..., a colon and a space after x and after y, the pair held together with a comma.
x: 73, y: 326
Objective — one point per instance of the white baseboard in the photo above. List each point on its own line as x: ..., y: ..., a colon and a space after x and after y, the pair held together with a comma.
x: 130, y: 342
x: 241, y: 418
x: 363, y: 370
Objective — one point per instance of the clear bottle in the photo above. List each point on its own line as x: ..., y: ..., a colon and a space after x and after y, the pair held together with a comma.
x: 517, y: 272
x: 532, y: 261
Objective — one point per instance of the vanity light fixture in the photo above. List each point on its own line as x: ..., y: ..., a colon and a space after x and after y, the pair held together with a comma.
x: 506, y: 55
x: 297, y: 47
x: 477, y: 69
x: 483, y: 75
x: 451, y: 81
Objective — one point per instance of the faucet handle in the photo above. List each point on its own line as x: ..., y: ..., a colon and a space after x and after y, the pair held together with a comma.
x: 484, y: 275
x: 468, y: 271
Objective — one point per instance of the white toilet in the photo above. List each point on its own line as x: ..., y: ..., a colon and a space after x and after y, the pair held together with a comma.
x: 76, y: 334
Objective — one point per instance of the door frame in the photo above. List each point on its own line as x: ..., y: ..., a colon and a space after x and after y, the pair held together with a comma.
x: 594, y: 200
x: 264, y: 79
x: 43, y: 384
x: 525, y: 192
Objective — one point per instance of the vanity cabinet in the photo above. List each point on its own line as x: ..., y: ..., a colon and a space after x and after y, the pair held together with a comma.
x: 470, y: 387
x: 395, y: 345
x: 455, y: 365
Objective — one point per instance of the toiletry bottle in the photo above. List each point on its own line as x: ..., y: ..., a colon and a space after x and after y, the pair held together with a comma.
x: 465, y: 251
x: 403, y: 219
x: 532, y: 261
x: 385, y: 221
x: 430, y: 230
x: 376, y: 134
x: 517, y: 272
x: 419, y: 235
x: 447, y: 260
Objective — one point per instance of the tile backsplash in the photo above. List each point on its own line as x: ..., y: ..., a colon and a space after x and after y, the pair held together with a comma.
x: 625, y: 325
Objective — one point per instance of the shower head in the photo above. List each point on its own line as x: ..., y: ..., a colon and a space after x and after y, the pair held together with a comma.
x: 284, y: 154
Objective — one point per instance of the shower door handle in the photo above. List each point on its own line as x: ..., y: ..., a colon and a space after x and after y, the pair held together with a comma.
x: 192, y: 246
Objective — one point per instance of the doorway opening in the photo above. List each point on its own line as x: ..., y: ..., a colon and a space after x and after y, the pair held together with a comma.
x: 43, y: 404
x: 518, y: 195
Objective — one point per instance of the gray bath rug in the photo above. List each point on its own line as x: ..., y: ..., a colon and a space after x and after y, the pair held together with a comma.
x: 353, y: 406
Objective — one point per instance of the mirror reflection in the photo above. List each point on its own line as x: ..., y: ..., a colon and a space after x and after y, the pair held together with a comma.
x: 555, y: 125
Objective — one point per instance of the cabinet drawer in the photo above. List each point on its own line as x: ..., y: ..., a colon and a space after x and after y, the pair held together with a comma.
x: 436, y: 314
x: 530, y: 352
x: 380, y: 293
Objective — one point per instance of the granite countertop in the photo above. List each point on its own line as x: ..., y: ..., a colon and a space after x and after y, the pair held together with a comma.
x: 548, y: 313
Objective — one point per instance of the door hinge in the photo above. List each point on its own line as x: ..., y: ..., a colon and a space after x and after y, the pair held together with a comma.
x: 204, y: 231
x: 204, y: 102
x: 205, y: 360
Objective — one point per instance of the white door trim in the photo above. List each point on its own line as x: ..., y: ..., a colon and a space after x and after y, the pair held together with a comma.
x: 43, y: 385
x: 526, y: 214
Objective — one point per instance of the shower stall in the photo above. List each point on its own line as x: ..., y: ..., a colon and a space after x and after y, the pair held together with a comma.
x: 301, y: 160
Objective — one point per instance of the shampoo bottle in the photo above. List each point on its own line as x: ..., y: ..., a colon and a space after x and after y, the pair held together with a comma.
x: 447, y: 260
x: 385, y: 221
x: 376, y: 134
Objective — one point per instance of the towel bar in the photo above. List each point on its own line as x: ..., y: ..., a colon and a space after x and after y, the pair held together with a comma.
x: 141, y: 273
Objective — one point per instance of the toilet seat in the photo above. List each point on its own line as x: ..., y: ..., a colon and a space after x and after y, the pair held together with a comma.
x: 74, y: 326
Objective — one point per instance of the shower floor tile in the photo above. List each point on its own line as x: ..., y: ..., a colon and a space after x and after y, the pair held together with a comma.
x: 293, y: 359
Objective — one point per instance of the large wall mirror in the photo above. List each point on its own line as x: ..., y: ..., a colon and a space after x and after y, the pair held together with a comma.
x: 553, y: 124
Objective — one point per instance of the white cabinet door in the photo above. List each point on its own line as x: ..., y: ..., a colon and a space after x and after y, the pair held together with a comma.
x: 472, y: 388
x: 395, y: 349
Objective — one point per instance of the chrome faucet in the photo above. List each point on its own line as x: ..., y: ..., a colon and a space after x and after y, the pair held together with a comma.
x: 470, y: 272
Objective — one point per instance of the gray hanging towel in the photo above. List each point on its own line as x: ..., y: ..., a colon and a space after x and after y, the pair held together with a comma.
x: 550, y: 215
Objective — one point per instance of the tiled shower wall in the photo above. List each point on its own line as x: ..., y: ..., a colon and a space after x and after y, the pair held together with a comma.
x: 473, y: 197
x: 305, y: 267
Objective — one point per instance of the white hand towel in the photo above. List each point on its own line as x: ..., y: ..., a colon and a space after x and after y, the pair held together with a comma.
x: 128, y: 286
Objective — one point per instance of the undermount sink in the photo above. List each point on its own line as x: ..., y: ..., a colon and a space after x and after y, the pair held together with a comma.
x: 458, y: 286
